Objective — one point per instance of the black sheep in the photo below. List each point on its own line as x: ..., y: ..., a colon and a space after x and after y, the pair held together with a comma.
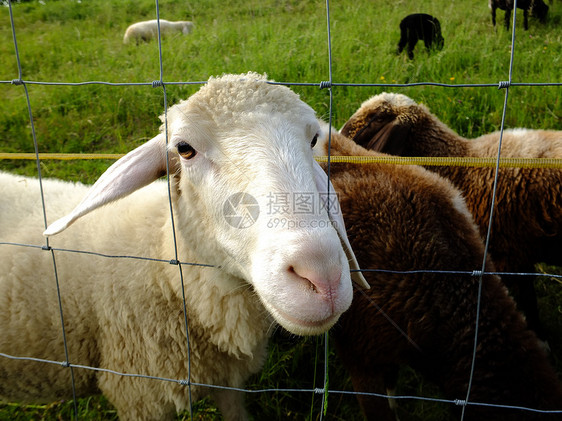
x: 537, y: 7
x: 419, y: 26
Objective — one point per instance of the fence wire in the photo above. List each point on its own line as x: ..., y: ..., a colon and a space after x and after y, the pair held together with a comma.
x: 329, y: 84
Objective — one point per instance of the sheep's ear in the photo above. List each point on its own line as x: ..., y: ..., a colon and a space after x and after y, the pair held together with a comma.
x: 386, y: 135
x: 333, y: 209
x: 138, y: 168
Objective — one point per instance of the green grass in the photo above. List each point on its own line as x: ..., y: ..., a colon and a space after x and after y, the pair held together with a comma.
x: 71, y: 41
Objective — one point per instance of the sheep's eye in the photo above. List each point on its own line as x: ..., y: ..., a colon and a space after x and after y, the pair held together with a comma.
x: 186, y: 151
x: 314, y: 140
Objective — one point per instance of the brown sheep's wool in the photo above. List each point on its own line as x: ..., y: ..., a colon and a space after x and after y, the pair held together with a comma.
x: 527, y: 223
x: 405, y: 218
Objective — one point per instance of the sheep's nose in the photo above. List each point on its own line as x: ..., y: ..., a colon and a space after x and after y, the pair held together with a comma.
x: 322, y: 280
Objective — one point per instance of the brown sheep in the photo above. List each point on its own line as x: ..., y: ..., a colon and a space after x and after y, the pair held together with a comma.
x: 405, y: 218
x: 528, y: 207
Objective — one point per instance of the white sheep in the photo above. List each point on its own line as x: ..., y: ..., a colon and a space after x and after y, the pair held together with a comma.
x: 237, y: 148
x: 528, y: 207
x: 145, y: 31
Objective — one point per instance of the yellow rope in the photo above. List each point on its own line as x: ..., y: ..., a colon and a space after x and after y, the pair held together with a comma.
x: 448, y: 161
x: 383, y: 159
x: 61, y: 156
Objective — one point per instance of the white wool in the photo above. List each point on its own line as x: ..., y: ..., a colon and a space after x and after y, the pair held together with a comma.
x: 145, y: 31
x: 127, y: 314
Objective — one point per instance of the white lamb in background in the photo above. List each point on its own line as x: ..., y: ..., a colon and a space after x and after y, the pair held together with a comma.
x: 238, y: 141
x: 145, y: 31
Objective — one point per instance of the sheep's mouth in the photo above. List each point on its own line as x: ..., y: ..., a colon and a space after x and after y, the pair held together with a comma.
x: 305, y: 326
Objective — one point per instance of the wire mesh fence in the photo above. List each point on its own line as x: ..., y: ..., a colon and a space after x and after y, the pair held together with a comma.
x: 330, y: 85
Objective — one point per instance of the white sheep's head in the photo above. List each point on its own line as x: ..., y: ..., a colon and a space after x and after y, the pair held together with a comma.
x: 187, y: 27
x: 239, y: 151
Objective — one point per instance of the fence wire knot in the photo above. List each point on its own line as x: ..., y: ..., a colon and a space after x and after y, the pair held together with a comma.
x: 504, y: 84
x: 65, y: 364
x: 46, y: 248
x: 157, y: 83
x: 477, y: 273
x: 17, y: 82
x: 460, y: 402
x: 174, y: 262
x: 184, y: 382
x: 319, y: 391
x: 325, y: 84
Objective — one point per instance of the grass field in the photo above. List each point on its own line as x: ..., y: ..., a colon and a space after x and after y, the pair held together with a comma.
x: 78, y: 41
